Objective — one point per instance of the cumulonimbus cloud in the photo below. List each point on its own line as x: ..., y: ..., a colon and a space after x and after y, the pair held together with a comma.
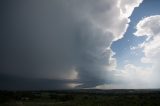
x: 63, y: 39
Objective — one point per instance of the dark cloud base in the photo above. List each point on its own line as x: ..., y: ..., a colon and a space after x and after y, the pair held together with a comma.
x: 8, y: 82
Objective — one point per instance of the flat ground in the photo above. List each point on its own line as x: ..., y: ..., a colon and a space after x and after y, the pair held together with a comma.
x: 81, y: 98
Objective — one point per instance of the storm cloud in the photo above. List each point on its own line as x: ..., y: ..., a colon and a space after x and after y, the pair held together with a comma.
x: 62, y: 39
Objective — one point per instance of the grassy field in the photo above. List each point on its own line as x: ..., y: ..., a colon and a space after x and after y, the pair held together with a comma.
x: 81, y: 98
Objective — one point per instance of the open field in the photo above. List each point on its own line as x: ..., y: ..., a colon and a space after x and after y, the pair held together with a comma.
x: 81, y: 98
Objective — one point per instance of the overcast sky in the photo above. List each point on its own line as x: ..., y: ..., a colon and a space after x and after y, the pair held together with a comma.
x: 72, y: 44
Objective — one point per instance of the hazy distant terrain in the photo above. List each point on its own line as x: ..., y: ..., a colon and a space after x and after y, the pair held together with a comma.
x: 81, y: 98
